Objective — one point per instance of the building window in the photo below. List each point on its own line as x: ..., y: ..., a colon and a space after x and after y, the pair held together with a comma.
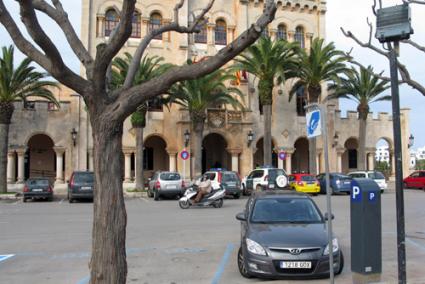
x: 221, y: 32
x: 111, y: 21
x: 29, y: 105
x: 301, y: 101
x: 299, y: 36
x: 155, y: 22
x: 51, y: 106
x: 352, y: 158
x: 136, y: 29
x: 155, y: 104
x: 201, y: 37
x: 281, y: 32
x: 265, y: 32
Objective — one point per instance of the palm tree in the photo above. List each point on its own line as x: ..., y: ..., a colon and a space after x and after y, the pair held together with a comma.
x: 17, y: 84
x: 364, y: 88
x: 270, y: 62
x: 197, y: 96
x: 150, y: 67
x: 323, y: 63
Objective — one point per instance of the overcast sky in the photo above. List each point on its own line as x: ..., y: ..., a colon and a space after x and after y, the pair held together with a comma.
x: 346, y: 13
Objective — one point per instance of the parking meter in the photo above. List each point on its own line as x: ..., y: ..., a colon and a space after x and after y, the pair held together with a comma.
x: 366, y: 234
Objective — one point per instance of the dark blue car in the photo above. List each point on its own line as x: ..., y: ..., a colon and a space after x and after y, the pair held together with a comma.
x: 338, y: 182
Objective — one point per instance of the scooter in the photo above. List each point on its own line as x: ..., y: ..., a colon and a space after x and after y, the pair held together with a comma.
x: 214, y: 198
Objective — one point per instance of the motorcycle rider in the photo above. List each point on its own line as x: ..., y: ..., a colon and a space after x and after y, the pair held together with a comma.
x: 204, y: 187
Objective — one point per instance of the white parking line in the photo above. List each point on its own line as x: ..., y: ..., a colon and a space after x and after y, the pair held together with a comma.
x: 60, y: 202
x: 5, y: 256
x: 144, y: 199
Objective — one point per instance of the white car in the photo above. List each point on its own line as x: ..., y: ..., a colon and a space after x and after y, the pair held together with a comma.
x: 378, y: 177
x: 265, y: 178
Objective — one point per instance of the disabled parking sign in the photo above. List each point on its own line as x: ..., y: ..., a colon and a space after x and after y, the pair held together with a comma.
x: 313, y: 120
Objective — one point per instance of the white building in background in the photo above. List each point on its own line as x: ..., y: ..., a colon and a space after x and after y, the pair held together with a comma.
x: 382, y: 154
x: 412, y: 159
x: 420, y: 153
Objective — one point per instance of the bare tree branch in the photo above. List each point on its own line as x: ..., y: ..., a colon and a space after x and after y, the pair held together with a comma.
x: 63, y: 75
x: 404, y: 72
x: 106, y: 52
x: 129, y: 99
x: 414, y: 44
x: 173, y: 26
x: 61, y: 18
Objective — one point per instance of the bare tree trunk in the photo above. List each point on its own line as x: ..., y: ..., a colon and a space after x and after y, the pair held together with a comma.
x: 4, y: 140
x: 312, y: 165
x: 198, y: 130
x: 267, y: 140
x: 362, y: 145
x: 140, y: 180
x: 108, y: 261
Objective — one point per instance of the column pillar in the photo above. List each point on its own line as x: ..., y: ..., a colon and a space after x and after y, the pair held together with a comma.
x: 392, y: 157
x: 11, y: 167
x: 288, y: 162
x: 172, y: 160
x: 235, y: 158
x: 279, y: 163
x: 371, y: 161
x: 127, y: 166
x: 91, y: 161
x: 339, y: 153
x: 21, y: 165
x: 59, y: 164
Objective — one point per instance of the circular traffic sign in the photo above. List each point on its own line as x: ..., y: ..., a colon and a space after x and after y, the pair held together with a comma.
x: 282, y: 155
x: 184, y: 154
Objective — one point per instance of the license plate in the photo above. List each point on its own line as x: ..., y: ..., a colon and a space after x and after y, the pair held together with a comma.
x: 231, y: 184
x: 86, y: 188
x: 347, y: 182
x: 172, y: 186
x: 295, y: 264
x: 271, y: 185
x: 37, y: 190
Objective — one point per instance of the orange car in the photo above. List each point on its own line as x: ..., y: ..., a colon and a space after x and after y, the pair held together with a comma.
x: 304, y: 183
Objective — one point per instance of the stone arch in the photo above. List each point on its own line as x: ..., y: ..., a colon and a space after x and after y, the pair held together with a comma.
x: 159, y: 8
x: 155, y: 156
x: 107, y: 5
x: 40, y: 158
x: 300, y: 158
x: 214, y: 152
x: 351, y: 155
x: 160, y: 135
x: 259, y: 152
x: 222, y: 15
x: 383, y: 156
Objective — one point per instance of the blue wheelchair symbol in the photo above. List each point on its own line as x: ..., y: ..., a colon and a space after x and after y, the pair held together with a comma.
x: 314, y: 122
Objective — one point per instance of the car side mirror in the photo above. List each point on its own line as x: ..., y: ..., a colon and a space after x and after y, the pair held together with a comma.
x: 241, y: 216
x: 327, y: 216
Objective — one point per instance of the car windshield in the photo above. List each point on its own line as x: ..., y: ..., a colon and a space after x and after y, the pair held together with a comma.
x: 229, y: 177
x: 84, y: 178
x: 285, y: 210
x: 170, y: 176
x: 358, y: 175
x: 342, y: 177
x: 376, y: 175
x: 38, y: 182
x: 308, y: 178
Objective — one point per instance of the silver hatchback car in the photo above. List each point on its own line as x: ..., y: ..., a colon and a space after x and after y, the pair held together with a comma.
x: 167, y: 184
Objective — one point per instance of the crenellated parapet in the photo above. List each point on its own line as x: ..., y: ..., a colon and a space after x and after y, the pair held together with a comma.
x: 303, y: 6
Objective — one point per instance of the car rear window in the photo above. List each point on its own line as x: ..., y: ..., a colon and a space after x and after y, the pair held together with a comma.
x: 285, y: 210
x: 84, y: 178
x: 229, y: 177
x: 273, y: 174
x: 342, y: 177
x: 376, y: 175
x: 170, y: 176
x: 38, y: 182
x: 357, y: 175
x: 308, y: 178
x: 210, y: 176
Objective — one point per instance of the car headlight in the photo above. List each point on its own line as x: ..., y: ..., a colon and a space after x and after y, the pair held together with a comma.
x: 254, y: 247
x: 335, y: 247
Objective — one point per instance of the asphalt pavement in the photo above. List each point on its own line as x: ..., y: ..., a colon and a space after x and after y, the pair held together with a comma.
x: 49, y: 242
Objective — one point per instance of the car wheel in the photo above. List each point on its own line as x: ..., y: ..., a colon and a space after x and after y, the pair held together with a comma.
x: 237, y: 195
x: 341, y: 264
x: 218, y: 203
x: 405, y: 185
x: 150, y: 194
x: 241, y: 265
x: 156, y: 195
x: 70, y: 199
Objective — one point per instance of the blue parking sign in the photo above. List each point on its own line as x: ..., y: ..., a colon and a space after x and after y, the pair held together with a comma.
x: 372, y: 196
x: 356, y: 192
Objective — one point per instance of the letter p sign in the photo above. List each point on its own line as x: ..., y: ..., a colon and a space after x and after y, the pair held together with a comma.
x: 356, y: 194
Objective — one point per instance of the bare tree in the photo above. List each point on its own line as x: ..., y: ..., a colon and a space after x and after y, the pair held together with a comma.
x: 109, y: 108
x: 406, y: 77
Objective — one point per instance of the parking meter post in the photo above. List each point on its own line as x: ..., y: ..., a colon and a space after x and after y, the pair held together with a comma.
x: 328, y: 193
x: 366, y: 231
x: 401, y: 249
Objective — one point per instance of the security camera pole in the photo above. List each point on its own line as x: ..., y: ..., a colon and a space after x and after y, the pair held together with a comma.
x: 392, y: 25
x: 316, y: 126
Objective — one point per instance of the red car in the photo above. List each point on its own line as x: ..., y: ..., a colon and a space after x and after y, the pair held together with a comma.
x: 415, y: 180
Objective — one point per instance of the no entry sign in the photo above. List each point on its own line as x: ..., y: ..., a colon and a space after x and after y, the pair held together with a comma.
x: 282, y: 155
x: 184, y: 154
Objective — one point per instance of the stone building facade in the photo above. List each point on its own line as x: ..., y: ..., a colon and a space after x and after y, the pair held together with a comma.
x: 42, y: 144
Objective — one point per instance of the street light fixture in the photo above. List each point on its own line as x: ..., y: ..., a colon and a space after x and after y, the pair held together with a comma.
x: 250, y: 137
x: 74, y: 136
x: 186, y: 137
x: 335, y: 140
x: 411, y: 140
